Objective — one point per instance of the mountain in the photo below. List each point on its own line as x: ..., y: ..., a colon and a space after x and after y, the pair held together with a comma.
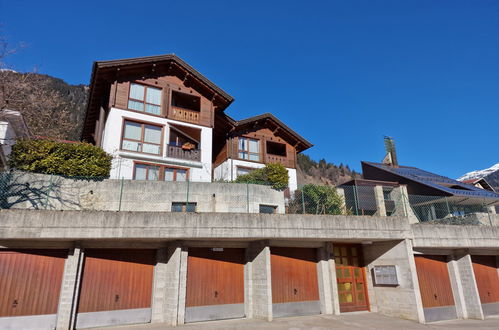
x: 491, y: 175
x: 322, y: 172
x: 50, y: 106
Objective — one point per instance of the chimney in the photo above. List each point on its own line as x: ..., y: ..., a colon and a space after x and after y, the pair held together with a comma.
x: 391, y: 153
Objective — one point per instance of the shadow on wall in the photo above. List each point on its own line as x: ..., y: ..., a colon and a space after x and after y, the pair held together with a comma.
x: 23, y: 190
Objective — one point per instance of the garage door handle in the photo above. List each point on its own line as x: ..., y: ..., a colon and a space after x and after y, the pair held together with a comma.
x: 488, y: 293
x: 14, y: 303
x: 295, y: 291
x: 435, y: 295
x: 116, y: 298
x: 216, y: 294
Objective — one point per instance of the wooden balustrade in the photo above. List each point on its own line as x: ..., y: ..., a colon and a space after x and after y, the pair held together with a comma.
x: 182, y: 114
x: 269, y: 158
x: 178, y: 152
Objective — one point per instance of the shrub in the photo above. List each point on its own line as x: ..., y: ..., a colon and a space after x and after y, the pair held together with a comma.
x: 60, y: 158
x: 317, y: 199
x: 275, y: 175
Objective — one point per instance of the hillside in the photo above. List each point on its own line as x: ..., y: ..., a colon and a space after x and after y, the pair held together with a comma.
x: 322, y: 172
x: 50, y: 106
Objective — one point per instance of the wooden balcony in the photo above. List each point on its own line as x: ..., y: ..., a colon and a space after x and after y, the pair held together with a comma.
x: 178, y: 152
x: 186, y: 115
x: 269, y: 158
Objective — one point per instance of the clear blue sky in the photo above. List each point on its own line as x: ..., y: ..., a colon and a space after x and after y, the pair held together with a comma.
x: 341, y: 73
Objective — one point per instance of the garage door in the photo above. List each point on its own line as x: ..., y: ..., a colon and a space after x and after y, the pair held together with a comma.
x: 487, y: 280
x: 435, y: 288
x: 351, y: 278
x: 295, y: 286
x: 30, y: 284
x: 116, y: 287
x: 215, y: 284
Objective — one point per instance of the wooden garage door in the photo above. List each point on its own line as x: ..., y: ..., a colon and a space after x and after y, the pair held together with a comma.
x: 294, y: 275
x: 487, y: 278
x: 351, y: 278
x: 434, y: 281
x: 30, y: 281
x: 116, y: 279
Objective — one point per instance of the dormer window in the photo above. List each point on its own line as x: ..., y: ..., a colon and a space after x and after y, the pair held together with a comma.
x: 145, y: 99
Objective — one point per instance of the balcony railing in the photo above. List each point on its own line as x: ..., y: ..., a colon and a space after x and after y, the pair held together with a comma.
x: 187, y: 115
x: 269, y: 158
x: 178, y: 152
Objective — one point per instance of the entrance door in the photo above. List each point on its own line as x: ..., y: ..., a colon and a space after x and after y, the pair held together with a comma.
x: 116, y: 287
x: 435, y: 288
x: 30, y: 284
x: 487, y: 280
x: 351, y: 278
x: 215, y: 284
x: 295, y: 285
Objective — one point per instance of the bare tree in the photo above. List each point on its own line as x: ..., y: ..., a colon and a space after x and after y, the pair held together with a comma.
x: 45, y: 110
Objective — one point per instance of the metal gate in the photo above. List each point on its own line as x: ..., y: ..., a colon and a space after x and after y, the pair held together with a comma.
x: 215, y: 284
x: 295, y: 286
x: 487, y: 280
x: 435, y: 288
x: 116, y: 287
x: 30, y: 284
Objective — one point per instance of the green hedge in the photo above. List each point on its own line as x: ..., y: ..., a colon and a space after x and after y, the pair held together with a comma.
x: 60, y: 158
x: 275, y: 175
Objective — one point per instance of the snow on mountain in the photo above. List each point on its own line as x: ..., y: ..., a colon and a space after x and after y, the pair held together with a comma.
x: 480, y: 173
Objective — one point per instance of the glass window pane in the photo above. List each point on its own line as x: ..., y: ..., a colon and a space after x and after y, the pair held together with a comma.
x: 169, y: 174
x: 137, y: 92
x: 132, y: 130
x: 181, y: 175
x: 269, y: 209
x: 253, y: 146
x: 191, y: 207
x: 152, y: 134
x: 153, y: 95
x: 134, y: 105
x: 140, y: 172
x: 243, y: 155
x: 154, y: 109
x: 254, y: 157
x: 150, y: 148
x: 243, y: 171
x: 131, y: 145
x: 242, y: 144
x: 177, y: 207
x: 153, y: 173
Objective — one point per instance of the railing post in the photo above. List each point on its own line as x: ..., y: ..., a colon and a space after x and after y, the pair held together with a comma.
x: 121, y: 193
x: 447, y: 203
x: 247, y: 198
x: 303, y: 201
x: 187, y: 197
x: 355, y: 201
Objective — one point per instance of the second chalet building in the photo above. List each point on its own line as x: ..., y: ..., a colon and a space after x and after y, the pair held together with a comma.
x: 163, y: 120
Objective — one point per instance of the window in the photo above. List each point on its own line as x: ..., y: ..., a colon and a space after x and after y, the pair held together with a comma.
x: 249, y: 149
x: 145, y: 99
x: 141, y: 137
x: 243, y: 170
x: 146, y: 172
x: 269, y: 209
x: 186, y: 101
x: 275, y: 148
x: 183, y: 207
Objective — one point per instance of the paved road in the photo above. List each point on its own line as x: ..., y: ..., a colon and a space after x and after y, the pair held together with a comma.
x: 320, y: 322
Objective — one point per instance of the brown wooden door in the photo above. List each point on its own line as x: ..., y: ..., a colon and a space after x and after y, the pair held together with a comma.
x: 30, y: 281
x: 434, y: 281
x: 487, y: 278
x: 116, y: 279
x: 351, y: 278
x: 294, y: 274
x: 215, y: 276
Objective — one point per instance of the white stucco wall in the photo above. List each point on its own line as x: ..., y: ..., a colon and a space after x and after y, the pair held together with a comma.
x: 228, y: 171
x: 123, y: 160
x: 7, y: 137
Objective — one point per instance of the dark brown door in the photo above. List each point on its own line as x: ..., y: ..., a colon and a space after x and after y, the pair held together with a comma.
x: 215, y: 276
x: 294, y: 275
x: 116, y: 279
x: 487, y: 278
x: 351, y: 278
x: 30, y: 281
x: 434, y: 281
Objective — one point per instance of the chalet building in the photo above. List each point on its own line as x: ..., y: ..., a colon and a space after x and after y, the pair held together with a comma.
x: 163, y: 120
x: 12, y: 127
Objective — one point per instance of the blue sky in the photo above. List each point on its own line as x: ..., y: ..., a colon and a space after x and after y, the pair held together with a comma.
x: 341, y: 73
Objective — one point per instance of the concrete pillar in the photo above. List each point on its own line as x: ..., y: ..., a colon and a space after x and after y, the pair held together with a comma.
x: 70, y: 289
x: 380, y: 201
x: 491, y: 209
x: 334, y: 284
x: 402, y: 205
x: 182, y: 286
x: 258, y: 281
x: 166, y: 286
x: 324, y: 278
x: 340, y: 191
x: 464, y: 287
